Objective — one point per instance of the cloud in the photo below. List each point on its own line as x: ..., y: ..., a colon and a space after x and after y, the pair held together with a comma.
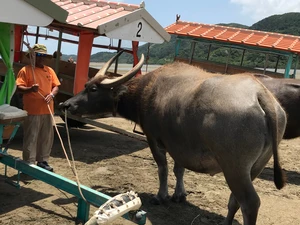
x: 258, y: 9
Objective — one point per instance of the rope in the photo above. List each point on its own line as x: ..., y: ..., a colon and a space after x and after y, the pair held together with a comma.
x: 73, y: 168
x: 31, y: 58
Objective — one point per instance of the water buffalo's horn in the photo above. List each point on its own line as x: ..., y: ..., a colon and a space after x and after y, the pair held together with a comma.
x: 105, y: 67
x: 108, y: 83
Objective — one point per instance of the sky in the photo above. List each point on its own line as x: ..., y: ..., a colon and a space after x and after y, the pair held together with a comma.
x: 246, y: 12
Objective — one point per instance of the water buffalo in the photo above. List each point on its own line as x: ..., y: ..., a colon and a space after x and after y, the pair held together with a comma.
x: 208, y: 123
x: 287, y: 92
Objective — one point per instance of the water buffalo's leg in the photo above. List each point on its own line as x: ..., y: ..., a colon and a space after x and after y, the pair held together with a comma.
x: 233, y: 207
x: 242, y: 188
x: 159, y: 155
x: 180, y: 193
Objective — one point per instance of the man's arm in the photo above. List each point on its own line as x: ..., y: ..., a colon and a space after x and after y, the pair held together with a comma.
x: 54, y: 90
x: 24, y: 90
x: 52, y: 94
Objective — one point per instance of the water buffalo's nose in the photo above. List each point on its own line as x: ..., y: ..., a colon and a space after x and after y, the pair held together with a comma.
x: 63, y: 106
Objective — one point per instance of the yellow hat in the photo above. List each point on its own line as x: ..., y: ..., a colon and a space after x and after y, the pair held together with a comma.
x: 40, y: 48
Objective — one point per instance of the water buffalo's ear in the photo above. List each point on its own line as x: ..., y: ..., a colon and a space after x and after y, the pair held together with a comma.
x: 121, y: 90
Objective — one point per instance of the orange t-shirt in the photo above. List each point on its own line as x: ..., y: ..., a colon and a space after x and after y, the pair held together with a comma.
x: 46, y: 78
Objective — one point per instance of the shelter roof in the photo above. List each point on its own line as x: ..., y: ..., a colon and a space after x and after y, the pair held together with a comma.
x: 31, y: 12
x: 106, y: 16
x: 233, y: 35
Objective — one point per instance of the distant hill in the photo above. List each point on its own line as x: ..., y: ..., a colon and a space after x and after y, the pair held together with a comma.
x: 237, y: 25
x: 287, y: 23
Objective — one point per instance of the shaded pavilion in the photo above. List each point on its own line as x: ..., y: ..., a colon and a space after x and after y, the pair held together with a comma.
x: 89, y: 19
x: 245, y: 40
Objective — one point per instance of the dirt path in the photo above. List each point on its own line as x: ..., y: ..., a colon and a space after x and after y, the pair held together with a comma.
x: 113, y: 164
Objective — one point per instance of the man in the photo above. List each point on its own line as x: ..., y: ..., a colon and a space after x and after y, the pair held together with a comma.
x: 39, y: 85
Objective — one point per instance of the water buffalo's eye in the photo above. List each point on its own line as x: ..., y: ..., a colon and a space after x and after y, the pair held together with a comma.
x: 93, y: 89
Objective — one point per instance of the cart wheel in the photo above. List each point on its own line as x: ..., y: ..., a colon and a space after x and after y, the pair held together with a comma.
x: 73, y: 123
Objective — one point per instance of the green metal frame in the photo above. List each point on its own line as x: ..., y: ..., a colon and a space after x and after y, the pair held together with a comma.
x: 92, y: 196
x: 4, y: 148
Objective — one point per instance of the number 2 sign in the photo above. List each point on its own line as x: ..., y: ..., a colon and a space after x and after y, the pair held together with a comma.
x: 138, y: 30
x: 140, y: 26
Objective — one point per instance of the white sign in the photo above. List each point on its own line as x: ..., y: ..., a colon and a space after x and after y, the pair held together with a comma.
x: 138, y: 30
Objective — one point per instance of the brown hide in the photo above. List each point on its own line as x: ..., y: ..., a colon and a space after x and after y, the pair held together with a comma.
x: 208, y: 123
x: 287, y: 92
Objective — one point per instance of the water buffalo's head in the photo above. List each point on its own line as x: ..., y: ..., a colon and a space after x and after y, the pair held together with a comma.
x: 101, y: 93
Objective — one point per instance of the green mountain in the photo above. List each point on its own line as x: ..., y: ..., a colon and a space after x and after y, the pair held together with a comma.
x: 237, y: 25
x: 287, y: 23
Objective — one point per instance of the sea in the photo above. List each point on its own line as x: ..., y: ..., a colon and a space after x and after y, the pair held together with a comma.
x: 125, y: 67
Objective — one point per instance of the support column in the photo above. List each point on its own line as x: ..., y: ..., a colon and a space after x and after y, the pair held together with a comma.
x: 177, y: 47
x: 243, y: 56
x: 193, y: 44
x: 83, y: 61
x: 58, y: 51
x: 266, y: 63
x: 208, y: 53
x: 276, y: 66
x: 37, y: 35
x: 83, y: 210
x: 18, y: 42
x: 117, y: 59
x: 227, y: 60
x: 288, y: 67
x: 135, y: 47
x: 296, y: 65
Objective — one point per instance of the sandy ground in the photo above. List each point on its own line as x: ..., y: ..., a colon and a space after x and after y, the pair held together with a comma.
x: 112, y: 163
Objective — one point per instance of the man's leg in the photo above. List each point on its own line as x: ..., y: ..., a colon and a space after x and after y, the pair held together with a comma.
x: 45, y: 140
x: 31, y: 127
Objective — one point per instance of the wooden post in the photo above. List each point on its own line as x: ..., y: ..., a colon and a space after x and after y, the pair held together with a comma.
x: 135, y: 47
x: 18, y: 42
x: 83, y: 60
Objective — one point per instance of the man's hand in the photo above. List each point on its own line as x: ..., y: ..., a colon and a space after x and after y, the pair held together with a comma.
x: 35, y: 88
x: 49, y: 98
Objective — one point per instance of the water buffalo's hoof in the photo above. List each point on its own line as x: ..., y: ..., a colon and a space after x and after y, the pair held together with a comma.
x: 156, y: 200
x: 179, y: 198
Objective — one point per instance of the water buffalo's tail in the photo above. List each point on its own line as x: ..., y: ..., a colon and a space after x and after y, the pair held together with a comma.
x: 267, y: 102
